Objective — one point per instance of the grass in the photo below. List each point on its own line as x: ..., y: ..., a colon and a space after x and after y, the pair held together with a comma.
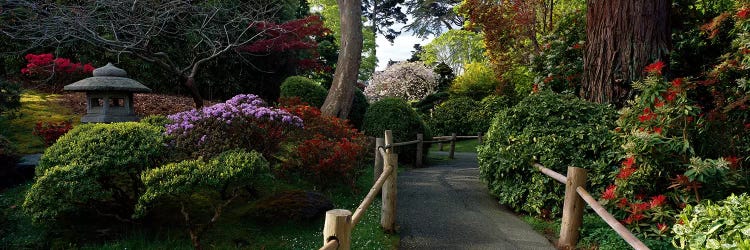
x: 467, y: 145
x: 35, y: 107
x: 235, y: 230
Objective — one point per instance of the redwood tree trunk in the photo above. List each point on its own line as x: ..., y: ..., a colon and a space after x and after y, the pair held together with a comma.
x: 622, y: 37
x: 340, y: 96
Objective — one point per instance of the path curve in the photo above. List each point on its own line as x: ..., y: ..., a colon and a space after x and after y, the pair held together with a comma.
x: 446, y: 206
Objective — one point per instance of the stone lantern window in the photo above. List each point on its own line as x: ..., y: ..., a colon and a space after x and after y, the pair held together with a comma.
x: 109, y: 95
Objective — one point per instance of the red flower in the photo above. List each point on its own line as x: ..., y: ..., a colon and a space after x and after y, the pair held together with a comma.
x: 535, y: 89
x: 658, y: 201
x: 637, y: 208
x: 629, y: 161
x: 658, y: 103
x: 662, y: 227
x: 657, y: 130
x: 633, y: 218
x: 625, y: 172
x: 733, y: 161
x: 670, y: 96
x: 676, y: 83
x: 743, y: 13
x: 747, y: 125
x: 655, y: 67
x: 609, y: 193
x: 623, y: 202
x: 577, y: 46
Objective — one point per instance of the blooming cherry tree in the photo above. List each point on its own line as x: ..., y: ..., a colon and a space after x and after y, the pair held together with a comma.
x: 408, y: 80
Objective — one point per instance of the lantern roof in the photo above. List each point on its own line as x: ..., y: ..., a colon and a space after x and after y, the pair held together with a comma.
x: 108, y: 78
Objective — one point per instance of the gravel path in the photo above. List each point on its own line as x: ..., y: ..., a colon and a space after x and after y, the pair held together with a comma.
x: 446, y: 206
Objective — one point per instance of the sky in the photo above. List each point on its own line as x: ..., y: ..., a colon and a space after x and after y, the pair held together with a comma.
x: 400, y: 50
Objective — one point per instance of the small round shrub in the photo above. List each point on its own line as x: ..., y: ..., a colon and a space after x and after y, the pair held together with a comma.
x: 156, y: 120
x: 307, y: 90
x: 555, y: 130
x: 396, y: 115
x: 722, y: 225
x: 453, y: 116
x: 481, y: 117
x: 94, y: 168
x: 10, y: 96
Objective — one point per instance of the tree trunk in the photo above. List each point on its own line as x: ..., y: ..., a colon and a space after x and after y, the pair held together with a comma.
x: 189, y: 83
x: 622, y: 37
x: 340, y: 96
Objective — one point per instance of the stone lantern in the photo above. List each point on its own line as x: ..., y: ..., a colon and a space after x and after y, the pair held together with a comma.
x: 109, y: 95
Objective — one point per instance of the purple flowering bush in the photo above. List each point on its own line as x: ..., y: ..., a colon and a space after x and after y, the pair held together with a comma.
x: 245, y: 121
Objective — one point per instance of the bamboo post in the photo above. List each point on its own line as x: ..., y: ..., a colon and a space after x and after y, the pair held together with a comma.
x: 479, y: 137
x: 420, y: 146
x: 338, y: 226
x: 572, y: 214
x: 379, y: 142
x: 453, y: 146
x: 388, y: 211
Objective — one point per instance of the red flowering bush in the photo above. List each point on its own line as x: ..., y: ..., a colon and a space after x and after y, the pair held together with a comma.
x: 661, y: 171
x: 328, y: 149
x: 50, y: 131
x: 55, y: 71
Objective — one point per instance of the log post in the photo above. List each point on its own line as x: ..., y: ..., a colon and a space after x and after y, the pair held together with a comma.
x: 453, y: 146
x: 378, y: 169
x: 388, y: 211
x: 479, y: 137
x: 440, y: 144
x: 572, y: 214
x: 388, y: 137
x: 420, y: 146
x: 338, y: 226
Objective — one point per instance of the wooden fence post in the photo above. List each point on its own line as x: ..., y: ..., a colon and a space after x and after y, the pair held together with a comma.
x: 479, y: 137
x: 338, y: 225
x: 388, y: 211
x: 453, y: 146
x: 440, y: 144
x: 572, y: 214
x: 379, y: 142
x: 420, y: 146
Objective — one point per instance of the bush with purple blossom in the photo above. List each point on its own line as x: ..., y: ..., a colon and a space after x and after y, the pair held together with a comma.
x: 245, y: 121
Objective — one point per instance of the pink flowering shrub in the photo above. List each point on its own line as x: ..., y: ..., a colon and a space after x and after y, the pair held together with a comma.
x: 55, y: 71
x: 245, y: 121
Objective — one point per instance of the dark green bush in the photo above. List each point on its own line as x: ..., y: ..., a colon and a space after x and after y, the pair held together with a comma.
x: 8, y: 160
x: 426, y: 105
x: 487, y: 109
x: 307, y: 90
x: 555, y: 130
x: 453, y: 116
x: 10, y: 96
x: 156, y: 121
x: 359, y: 108
x: 94, y: 168
x: 396, y: 115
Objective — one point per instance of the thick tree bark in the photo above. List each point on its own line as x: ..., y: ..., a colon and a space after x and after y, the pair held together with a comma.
x: 622, y: 37
x: 340, y: 96
x: 189, y: 83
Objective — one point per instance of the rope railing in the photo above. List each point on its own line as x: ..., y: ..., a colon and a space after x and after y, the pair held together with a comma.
x: 572, y: 219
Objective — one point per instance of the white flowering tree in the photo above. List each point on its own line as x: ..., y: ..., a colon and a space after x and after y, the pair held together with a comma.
x: 408, y: 80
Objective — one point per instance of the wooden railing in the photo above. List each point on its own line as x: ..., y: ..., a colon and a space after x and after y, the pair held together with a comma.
x: 339, y: 223
x: 572, y: 214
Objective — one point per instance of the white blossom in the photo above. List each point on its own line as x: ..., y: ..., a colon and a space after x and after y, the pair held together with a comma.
x: 408, y: 80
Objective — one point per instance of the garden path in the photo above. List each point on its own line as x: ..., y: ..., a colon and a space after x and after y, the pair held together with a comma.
x: 446, y: 206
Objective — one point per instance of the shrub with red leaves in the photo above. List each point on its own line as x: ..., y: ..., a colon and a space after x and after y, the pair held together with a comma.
x: 329, y: 149
x: 50, y: 131
x: 54, y: 71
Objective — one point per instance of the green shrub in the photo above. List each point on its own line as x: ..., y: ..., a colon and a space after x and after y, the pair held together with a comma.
x: 555, y: 130
x: 722, y: 225
x: 10, y: 96
x: 307, y: 90
x: 454, y: 116
x: 359, y: 108
x: 8, y: 160
x: 94, y: 167
x: 396, y: 115
x: 160, y: 121
x: 477, y: 82
x: 481, y: 117
x: 188, y: 183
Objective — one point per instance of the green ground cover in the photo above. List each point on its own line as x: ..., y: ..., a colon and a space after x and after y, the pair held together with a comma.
x: 35, y: 107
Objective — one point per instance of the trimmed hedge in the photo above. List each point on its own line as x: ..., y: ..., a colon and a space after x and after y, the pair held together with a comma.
x: 94, y: 168
x: 396, y: 115
x: 307, y: 90
x: 454, y: 116
x: 555, y: 130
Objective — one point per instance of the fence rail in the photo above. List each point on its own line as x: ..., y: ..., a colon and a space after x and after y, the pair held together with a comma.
x: 339, y: 223
x: 575, y: 196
